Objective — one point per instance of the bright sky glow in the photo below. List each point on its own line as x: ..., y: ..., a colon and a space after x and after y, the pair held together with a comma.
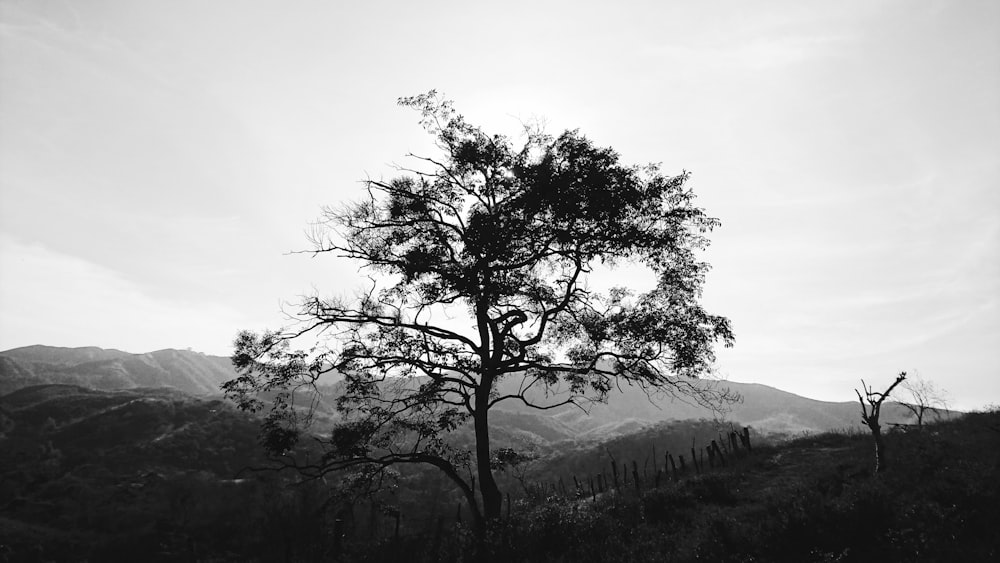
x: 159, y: 159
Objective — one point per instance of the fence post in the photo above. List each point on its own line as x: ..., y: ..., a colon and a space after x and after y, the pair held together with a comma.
x: 635, y: 474
x: 718, y: 452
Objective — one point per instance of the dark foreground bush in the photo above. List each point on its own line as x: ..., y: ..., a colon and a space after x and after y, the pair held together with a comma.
x: 811, y: 500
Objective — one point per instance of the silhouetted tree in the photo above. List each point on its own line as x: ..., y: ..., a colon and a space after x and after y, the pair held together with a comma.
x: 478, y: 263
x: 870, y: 416
x: 924, y: 396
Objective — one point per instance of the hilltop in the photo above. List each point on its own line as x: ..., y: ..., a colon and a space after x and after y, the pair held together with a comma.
x: 97, y: 368
x: 629, y: 409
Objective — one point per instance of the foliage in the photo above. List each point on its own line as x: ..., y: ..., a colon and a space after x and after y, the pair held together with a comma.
x: 806, y: 500
x: 166, y: 491
x: 479, y: 264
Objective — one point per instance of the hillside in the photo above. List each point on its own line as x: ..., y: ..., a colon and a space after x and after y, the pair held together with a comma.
x: 152, y: 473
x: 814, y: 499
x: 126, y: 475
x: 97, y: 368
x: 627, y: 410
x: 764, y: 408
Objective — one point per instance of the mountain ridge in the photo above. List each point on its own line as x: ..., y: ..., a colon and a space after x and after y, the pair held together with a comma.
x: 109, y: 369
x: 627, y: 409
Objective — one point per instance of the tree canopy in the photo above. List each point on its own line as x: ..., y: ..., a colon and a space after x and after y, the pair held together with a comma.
x: 479, y: 262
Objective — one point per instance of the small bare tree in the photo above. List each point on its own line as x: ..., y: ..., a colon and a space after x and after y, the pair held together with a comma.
x: 924, y: 397
x: 870, y: 414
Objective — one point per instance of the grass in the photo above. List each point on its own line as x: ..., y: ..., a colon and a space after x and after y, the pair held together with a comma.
x: 811, y: 499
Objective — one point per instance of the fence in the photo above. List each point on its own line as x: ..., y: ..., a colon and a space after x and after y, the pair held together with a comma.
x: 376, y: 523
x: 619, y: 479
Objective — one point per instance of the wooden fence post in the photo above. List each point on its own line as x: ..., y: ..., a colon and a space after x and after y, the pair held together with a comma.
x: 718, y: 452
x: 635, y: 474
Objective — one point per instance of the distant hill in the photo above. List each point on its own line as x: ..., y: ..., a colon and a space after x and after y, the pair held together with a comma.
x: 96, y: 368
x: 762, y: 407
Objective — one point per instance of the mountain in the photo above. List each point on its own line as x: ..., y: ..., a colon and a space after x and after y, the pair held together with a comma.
x: 96, y: 368
x: 628, y: 409
x: 764, y: 408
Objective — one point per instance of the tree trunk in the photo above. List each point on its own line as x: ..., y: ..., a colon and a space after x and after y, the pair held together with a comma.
x: 492, y: 499
x: 880, y: 461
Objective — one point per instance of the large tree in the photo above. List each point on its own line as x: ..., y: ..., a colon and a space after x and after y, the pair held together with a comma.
x: 479, y: 261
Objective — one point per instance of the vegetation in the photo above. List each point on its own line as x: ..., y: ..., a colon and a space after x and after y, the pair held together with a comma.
x: 154, y: 475
x: 923, y: 397
x: 812, y: 499
x: 871, y: 413
x: 480, y: 262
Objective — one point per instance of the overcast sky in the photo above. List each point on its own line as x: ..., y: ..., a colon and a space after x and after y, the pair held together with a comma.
x: 159, y: 159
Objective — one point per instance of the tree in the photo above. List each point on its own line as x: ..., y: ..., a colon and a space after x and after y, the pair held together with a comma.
x: 870, y: 414
x: 924, y: 396
x: 479, y: 264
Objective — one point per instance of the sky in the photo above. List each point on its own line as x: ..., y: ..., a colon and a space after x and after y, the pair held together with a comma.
x: 160, y: 160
